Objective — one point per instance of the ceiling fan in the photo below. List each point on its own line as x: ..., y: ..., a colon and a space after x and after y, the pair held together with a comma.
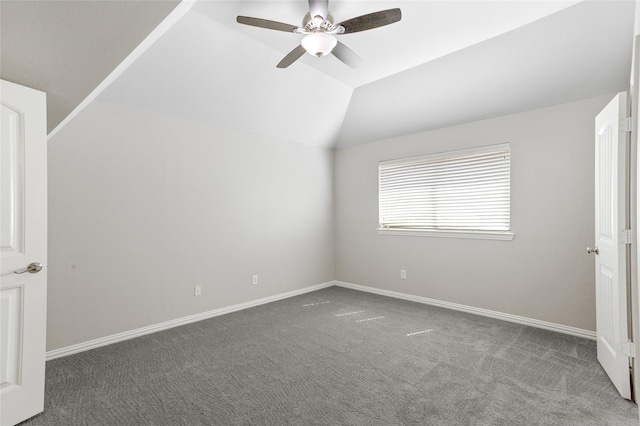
x: 320, y: 31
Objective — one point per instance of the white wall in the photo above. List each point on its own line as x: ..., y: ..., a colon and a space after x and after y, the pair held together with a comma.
x: 143, y: 206
x: 543, y: 273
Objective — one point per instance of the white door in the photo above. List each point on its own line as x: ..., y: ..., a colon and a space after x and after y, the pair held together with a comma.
x: 611, y: 272
x: 23, y: 237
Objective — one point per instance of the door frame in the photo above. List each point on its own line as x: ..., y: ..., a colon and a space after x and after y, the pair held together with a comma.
x: 634, y: 160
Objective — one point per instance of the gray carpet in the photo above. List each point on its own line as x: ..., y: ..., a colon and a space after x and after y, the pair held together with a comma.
x: 337, y: 357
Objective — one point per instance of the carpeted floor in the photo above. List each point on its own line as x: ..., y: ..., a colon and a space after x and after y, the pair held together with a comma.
x: 337, y: 357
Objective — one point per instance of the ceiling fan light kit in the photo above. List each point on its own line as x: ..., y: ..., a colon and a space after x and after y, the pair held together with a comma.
x: 319, y: 44
x: 320, y: 32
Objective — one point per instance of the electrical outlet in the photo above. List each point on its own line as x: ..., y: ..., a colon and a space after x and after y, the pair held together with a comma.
x: 403, y: 274
x: 197, y: 290
x: 254, y: 280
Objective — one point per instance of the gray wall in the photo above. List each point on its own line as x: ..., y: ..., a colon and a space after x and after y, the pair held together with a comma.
x: 542, y: 274
x: 142, y: 207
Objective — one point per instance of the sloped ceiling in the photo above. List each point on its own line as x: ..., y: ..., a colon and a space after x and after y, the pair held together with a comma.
x: 445, y: 62
x: 66, y: 48
x: 576, y: 53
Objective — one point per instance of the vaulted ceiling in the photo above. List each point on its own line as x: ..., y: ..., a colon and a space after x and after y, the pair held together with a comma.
x: 444, y: 63
x: 66, y: 48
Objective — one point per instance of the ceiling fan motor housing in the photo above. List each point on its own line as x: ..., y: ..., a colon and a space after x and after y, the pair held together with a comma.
x: 318, y: 23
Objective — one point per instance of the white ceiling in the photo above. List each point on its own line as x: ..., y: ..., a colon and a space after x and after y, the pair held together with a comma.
x: 579, y: 52
x: 445, y: 62
x: 205, y: 71
x: 428, y: 30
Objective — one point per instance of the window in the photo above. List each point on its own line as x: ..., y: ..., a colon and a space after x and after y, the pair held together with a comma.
x: 453, y: 194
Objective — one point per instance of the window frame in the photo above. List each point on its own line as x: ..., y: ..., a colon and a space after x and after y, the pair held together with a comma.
x: 505, y: 235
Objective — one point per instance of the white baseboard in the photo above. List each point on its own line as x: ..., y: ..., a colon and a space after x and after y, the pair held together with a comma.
x: 119, y: 337
x: 477, y: 311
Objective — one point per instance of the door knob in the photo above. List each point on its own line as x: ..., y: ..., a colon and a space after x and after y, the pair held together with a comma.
x: 33, y: 268
x: 592, y: 250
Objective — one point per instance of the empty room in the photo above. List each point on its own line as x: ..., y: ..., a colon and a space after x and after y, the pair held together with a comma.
x: 319, y: 212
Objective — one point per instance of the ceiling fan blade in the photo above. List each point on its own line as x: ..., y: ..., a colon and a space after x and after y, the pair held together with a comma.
x: 264, y: 23
x: 371, y: 20
x: 293, y: 56
x: 319, y: 7
x: 346, y: 55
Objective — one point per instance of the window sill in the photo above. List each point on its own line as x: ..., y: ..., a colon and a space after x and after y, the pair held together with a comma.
x: 475, y: 235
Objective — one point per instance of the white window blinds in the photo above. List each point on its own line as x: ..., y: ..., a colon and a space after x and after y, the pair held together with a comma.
x: 457, y: 191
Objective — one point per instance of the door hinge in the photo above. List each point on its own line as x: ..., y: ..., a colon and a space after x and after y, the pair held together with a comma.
x: 628, y: 349
x: 626, y: 124
x: 626, y: 236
